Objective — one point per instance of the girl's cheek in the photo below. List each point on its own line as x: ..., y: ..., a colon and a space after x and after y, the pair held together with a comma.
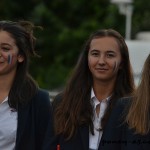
x: 4, y: 56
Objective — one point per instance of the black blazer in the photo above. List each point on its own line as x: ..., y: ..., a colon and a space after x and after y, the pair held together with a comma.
x: 80, y: 141
x: 117, y: 135
x: 35, y: 130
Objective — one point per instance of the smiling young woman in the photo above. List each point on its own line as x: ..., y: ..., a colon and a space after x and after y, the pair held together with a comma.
x: 102, y: 75
x: 25, y: 109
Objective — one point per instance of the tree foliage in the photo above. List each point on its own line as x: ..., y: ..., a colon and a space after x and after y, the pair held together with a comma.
x: 66, y: 26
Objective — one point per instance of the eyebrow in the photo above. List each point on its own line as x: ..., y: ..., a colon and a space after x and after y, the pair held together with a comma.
x: 6, y: 44
x: 108, y: 51
x: 94, y: 50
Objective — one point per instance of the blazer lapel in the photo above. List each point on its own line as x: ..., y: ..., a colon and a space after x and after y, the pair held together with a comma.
x: 84, y: 132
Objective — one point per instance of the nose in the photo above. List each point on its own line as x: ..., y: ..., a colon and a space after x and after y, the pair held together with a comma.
x: 101, y: 60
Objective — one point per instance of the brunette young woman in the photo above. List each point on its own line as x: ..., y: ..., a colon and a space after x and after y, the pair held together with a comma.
x: 102, y: 75
x: 128, y: 127
x: 25, y: 109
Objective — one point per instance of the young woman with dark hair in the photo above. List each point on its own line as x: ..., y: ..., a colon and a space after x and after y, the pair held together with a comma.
x: 25, y: 109
x: 102, y: 75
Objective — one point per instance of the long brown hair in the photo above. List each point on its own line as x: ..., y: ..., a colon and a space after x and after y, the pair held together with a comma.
x: 138, y: 116
x: 76, y: 109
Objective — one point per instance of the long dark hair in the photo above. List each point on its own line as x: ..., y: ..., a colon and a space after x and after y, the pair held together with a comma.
x: 76, y: 109
x: 23, y: 87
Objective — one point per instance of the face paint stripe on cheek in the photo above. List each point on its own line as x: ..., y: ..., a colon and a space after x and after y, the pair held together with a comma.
x: 115, y: 67
x: 9, y: 59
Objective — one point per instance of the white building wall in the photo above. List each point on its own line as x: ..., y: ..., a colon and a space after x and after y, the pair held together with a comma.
x: 138, y: 51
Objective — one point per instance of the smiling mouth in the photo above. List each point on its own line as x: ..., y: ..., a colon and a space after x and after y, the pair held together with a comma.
x: 101, y: 69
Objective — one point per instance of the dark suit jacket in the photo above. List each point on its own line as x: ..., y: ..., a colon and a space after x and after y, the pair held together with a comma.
x: 80, y: 141
x: 117, y: 135
x: 35, y: 129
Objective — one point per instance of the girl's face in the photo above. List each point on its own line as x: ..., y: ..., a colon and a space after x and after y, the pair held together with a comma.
x: 104, y: 59
x: 9, y: 56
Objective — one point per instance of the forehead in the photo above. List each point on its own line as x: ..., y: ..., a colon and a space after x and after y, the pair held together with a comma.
x: 104, y: 44
x: 6, y: 37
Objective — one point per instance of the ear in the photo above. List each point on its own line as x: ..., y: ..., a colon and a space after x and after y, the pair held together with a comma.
x: 20, y: 58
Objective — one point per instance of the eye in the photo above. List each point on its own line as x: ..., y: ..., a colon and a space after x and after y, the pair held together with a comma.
x: 110, y: 55
x: 5, y: 48
x: 94, y: 53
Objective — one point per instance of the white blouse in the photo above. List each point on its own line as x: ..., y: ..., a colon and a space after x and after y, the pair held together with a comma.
x: 94, y: 140
x: 8, y: 126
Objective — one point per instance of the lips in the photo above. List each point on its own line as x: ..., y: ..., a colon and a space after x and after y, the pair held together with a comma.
x: 101, y: 69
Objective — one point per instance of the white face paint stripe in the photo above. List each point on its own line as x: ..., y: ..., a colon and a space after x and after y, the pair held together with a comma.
x: 115, y: 66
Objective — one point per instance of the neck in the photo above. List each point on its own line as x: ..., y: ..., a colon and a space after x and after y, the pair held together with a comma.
x: 103, y: 90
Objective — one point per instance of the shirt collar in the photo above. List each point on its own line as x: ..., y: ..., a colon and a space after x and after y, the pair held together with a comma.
x: 95, y: 101
x: 5, y: 100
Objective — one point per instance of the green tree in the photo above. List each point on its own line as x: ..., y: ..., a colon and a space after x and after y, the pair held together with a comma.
x: 66, y: 26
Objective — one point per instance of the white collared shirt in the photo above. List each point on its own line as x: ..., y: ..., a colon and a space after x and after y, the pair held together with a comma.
x: 8, y: 126
x: 94, y: 140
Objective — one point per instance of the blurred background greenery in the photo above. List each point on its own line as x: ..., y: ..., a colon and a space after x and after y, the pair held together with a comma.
x: 66, y: 26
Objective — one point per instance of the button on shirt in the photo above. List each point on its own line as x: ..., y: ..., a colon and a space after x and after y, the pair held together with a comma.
x: 8, y: 126
x: 94, y: 140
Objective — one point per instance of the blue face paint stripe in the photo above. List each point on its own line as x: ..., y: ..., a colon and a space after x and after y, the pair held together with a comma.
x: 9, y: 59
